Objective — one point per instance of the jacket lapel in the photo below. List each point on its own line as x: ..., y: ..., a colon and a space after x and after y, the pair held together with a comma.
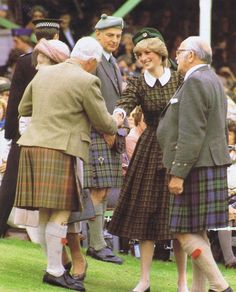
x: 109, y: 71
x: 173, y: 97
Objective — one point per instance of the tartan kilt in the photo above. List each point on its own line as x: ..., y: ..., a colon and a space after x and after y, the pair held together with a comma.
x: 104, y: 168
x: 142, y: 210
x: 46, y: 179
x: 204, y: 202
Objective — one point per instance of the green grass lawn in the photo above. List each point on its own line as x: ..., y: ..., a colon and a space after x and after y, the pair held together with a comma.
x: 22, y: 265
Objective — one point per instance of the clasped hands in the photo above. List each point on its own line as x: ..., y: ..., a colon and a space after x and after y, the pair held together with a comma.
x: 119, y: 118
x: 176, y: 185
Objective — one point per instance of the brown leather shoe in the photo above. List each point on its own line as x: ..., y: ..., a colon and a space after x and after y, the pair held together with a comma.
x: 105, y: 254
x: 65, y: 281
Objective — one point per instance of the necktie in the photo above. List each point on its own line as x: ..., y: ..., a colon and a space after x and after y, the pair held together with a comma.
x: 117, y: 75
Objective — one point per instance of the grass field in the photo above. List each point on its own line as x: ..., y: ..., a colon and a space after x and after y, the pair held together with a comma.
x: 22, y: 265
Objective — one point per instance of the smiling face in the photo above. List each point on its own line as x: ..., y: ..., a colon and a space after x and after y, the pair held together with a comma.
x: 149, y: 59
x: 109, y: 38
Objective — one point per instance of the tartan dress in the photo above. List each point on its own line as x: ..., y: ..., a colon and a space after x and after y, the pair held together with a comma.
x: 142, y: 210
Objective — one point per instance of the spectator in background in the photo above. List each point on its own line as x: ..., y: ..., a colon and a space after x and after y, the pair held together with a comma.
x: 225, y: 236
x: 67, y: 33
x: 4, y: 143
x: 8, y: 69
x: 135, y: 132
x: 4, y: 90
x: 22, y: 39
x: 37, y: 12
x: 5, y: 12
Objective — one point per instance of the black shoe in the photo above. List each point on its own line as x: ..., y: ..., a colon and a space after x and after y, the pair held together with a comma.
x: 226, y: 290
x: 105, y: 254
x: 67, y: 266
x: 65, y: 281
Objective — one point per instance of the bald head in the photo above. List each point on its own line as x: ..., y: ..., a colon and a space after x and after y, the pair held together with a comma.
x: 200, y: 47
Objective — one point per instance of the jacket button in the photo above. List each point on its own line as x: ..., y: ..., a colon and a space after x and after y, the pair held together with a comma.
x: 185, y: 164
x: 173, y: 162
x: 176, y: 147
x: 178, y: 164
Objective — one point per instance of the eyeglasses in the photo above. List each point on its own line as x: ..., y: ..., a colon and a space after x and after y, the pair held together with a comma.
x: 182, y: 50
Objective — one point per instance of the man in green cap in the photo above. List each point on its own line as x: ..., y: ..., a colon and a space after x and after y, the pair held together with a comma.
x: 104, y: 170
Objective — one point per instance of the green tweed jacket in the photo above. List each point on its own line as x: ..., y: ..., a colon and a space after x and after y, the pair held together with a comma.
x: 192, y: 131
x: 64, y: 101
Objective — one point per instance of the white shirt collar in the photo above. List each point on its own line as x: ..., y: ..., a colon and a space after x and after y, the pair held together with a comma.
x: 107, y: 55
x: 151, y: 80
x: 191, y: 70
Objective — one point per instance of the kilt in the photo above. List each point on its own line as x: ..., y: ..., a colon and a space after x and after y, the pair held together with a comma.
x: 46, y: 179
x: 104, y: 169
x: 204, y: 202
x: 142, y: 211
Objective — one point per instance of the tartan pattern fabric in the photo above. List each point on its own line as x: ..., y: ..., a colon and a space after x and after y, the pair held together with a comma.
x: 104, y: 168
x: 46, y: 179
x: 142, y: 211
x: 203, y: 205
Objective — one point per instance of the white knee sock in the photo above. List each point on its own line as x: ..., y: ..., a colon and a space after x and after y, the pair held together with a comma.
x: 43, y: 220
x: 197, y: 247
x: 55, y: 233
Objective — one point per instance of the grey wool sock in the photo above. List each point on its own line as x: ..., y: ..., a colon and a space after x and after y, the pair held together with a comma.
x: 96, y: 229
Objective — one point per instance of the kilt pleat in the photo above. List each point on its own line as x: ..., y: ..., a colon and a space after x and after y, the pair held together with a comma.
x: 142, y: 210
x: 104, y: 168
x: 203, y: 205
x: 46, y: 179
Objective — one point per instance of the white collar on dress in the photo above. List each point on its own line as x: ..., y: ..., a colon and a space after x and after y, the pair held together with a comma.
x: 151, y: 80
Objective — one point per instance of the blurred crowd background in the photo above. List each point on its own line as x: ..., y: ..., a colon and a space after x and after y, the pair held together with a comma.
x: 176, y: 20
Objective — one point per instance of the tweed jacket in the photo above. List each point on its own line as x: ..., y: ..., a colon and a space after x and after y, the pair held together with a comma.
x: 64, y: 101
x: 192, y: 130
x: 111, y: 89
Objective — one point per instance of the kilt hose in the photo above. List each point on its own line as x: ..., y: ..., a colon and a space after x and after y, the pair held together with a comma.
x: 203, y: 204
x: 104, y: 168
x: 46, y: 179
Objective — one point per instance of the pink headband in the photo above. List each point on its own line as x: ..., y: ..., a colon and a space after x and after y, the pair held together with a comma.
x: 53, y: 49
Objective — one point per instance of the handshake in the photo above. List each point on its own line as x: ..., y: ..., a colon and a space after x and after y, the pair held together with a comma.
x: 119, y: 115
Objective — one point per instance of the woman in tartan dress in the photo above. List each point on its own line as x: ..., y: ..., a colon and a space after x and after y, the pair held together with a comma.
x: 142, y: 210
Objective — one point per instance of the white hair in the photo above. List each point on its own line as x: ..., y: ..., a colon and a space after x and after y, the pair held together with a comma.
x: 201, y: 48
x: 87, y: 48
